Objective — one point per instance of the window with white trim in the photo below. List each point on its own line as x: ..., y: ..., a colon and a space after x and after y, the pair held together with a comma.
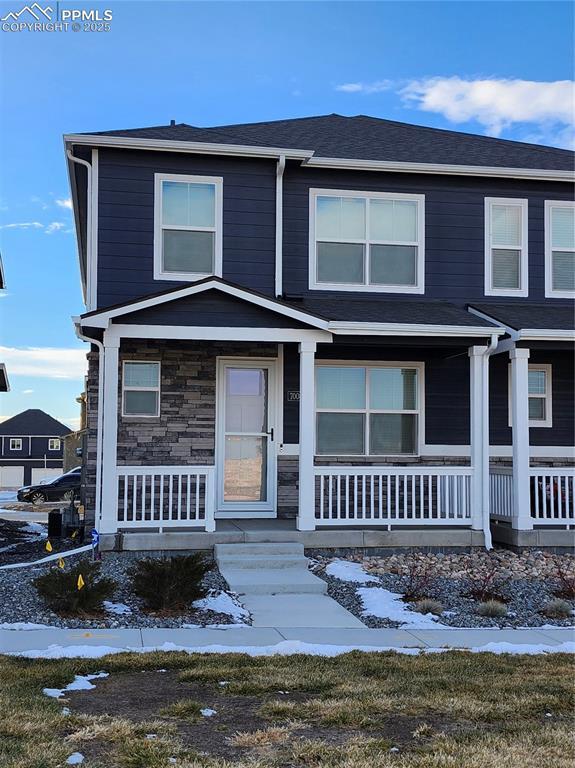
x: 188, y: 227
x: 506, y: 247
x: 15, y: 443
x: 539, y: 388
x: 368, y: 410
x: 559, y: 249
x: 53, y: 444
x: 367, y: 241
x: 141, y: 388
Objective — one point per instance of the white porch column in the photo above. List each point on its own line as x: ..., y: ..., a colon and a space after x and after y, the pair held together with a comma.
x: 306, y: 501
x: 479, y: 502
x: 520, y: 428
x: 109, y: 519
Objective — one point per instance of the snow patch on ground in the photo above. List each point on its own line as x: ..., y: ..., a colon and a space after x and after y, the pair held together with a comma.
x: 36, y: 531
x: 120, y: 609
x: 75, y: 758
x: 384, y: 604
x: 79, y: 683
x: 24, y: 625
x: 344, y: 570
x: 286, y: 648
x: 222, y: 602
x: 207, y: 712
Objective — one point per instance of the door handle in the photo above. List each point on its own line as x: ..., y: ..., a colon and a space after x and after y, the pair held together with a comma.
x: 271, y: 434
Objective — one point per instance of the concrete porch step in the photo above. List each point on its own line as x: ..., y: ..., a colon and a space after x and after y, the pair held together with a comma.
x: 271, y: 581
x: 249, y: 562
x: 266, y: 549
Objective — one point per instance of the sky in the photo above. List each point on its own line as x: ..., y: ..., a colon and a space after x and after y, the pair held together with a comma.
x: 495, y: 68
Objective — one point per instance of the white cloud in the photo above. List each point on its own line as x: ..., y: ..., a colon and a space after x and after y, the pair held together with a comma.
x: 55, y: 226
x: 44, y: 362
x: 23, y: 225
x: 66, y: 203
x: 72, y: 421
x: 376, y: 87
x: 494, y: 103
x: 39, y: 201
x: 27, y: 391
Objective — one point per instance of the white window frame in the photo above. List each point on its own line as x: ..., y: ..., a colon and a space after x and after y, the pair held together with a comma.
x: 15, y: 443
x: 550, y: 293
x: 523, y: 289
x: 371, y: 364
x: 314, y: 284
x: 217, y: 229
x: 54, y: 444
x: 548, y: 396
x: 141, y: 389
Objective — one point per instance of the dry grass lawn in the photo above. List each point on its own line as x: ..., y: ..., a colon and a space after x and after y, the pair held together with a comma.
x: 452, y: 710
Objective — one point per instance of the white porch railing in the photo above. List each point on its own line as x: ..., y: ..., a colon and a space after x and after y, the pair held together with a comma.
x: 166, y: 497
x: 501, y: 493
x: 388, y: 496
x: 552, y: 498
x: 551, y: 495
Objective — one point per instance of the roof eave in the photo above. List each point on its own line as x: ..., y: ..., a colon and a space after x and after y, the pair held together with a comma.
x: 76, y: 213
x: 193, y: 147
x: 440, y: 168
x: 349, y: 328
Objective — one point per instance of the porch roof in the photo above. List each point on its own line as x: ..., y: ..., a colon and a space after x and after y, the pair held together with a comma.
x: 528, y: 320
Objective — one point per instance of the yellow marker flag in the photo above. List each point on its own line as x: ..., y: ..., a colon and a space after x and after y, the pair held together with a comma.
x: 60, y: 563
x: 74, y: 534
x: 48, y: 546
x: 80, y: 582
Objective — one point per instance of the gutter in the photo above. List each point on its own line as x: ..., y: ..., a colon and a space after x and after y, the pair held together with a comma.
x: 100, y: 422
x: 279, y: 224
x: 83, y: 266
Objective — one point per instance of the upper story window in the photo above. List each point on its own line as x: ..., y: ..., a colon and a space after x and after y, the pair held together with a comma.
x: 141, y: 388
x: 366, y: 241
x: 53, y: 444
x: 187, y: 227
x: 559, y: 249
x: 373, y: 410
x: 15, y: 443
x: 505, y: 247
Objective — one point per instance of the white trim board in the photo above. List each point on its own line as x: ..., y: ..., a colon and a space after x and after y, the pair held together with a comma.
x: 308, y: 158
x: 345, y: 327
x: 464, y: 451
x: 102, y: 319
x: 215, y: 333
x: 527, y: 334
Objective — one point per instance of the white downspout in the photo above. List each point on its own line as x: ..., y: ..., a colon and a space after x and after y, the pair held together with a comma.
x: 85, y: 163
x: 485, y: 447
x: 279, y: 224
x: 100, y: 425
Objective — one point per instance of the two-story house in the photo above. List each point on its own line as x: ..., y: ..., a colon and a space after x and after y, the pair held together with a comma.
x: 340, y: 330
x: 31, y: 448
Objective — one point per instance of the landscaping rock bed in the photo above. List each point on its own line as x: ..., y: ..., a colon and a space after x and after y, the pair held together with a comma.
x: 526, y: 583
x: 21, y: 604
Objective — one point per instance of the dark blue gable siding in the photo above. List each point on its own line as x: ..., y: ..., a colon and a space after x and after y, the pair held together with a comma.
x: 126, y: 220
x: 454, y: 226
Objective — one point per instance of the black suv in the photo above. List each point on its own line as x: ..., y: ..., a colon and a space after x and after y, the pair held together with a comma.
x: 63, y: 488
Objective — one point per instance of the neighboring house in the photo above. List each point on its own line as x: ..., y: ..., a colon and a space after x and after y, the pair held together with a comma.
x: 74, y: 441
x: 4, y: 384
x: 31, y: 448
x: 301, y: 319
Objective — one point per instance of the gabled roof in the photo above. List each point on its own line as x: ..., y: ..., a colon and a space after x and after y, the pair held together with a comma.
x: 362, y: 137
x: 33, y: 422
x: 100, y: 318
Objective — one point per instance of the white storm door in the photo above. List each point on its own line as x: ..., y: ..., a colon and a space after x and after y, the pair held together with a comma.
x: 246, y: 449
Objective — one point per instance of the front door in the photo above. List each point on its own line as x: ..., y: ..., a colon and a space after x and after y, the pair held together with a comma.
x: 245, y: 449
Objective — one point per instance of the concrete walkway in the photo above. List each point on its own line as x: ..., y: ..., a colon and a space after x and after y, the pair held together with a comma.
x: 17, y: 641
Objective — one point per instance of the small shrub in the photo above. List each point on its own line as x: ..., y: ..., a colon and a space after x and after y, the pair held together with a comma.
x: 420, y: 579
x: 427, y: 605
x: 59, y: 588
x: 565, y: 582
x: 185, y: 709
x: 557, y: 609
x: 492, y: 608
x: 488, y: 584
x: 169, y: 583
